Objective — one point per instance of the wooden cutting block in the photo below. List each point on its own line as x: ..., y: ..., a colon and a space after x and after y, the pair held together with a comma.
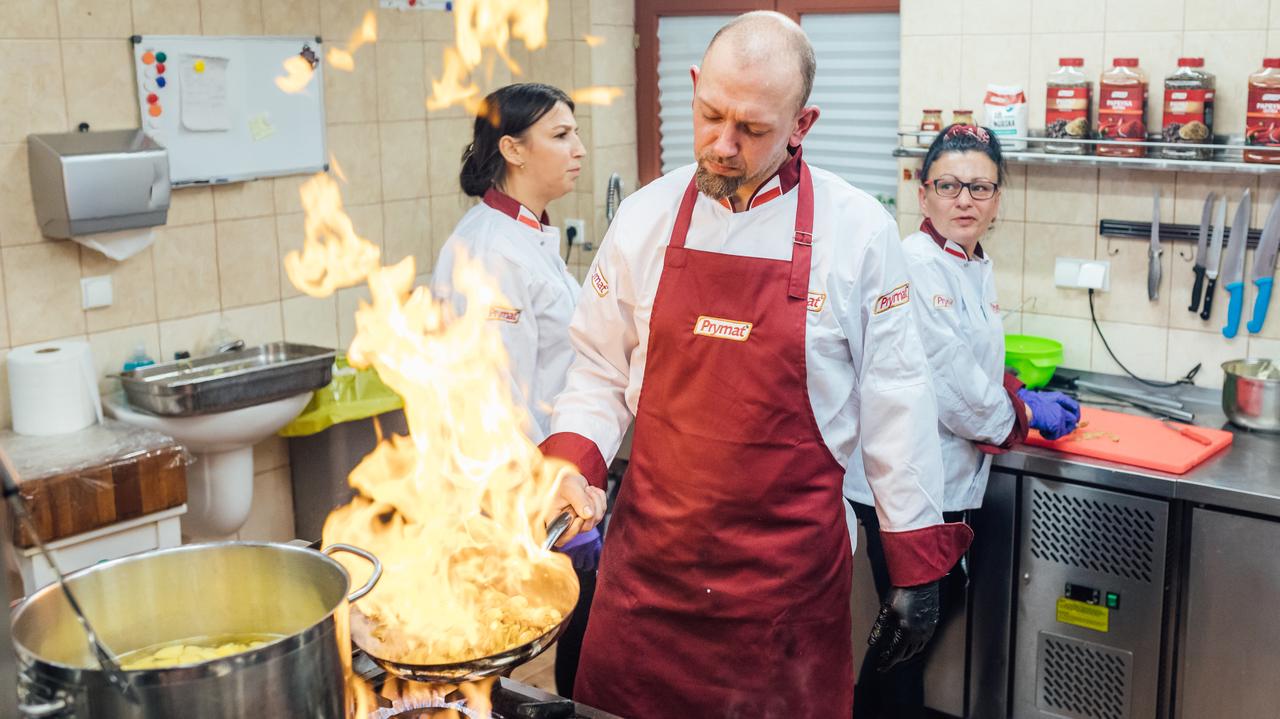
x: 94, y: 478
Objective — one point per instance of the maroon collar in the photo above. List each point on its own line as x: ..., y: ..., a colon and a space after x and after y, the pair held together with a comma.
x: 776, y: 185
x: 947, y: 246
x: 511, y: 207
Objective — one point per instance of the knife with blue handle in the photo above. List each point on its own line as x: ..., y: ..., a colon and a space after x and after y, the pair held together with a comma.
x: 1264, y: 267
x: 1233, y: 266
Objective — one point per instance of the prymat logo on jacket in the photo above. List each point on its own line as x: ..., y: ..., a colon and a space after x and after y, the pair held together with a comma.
x: 895, y: 297
x: 722, y: 329
x: 504, y: 314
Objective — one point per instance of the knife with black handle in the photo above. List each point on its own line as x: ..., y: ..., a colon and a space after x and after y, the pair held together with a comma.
x: 1202, y: 252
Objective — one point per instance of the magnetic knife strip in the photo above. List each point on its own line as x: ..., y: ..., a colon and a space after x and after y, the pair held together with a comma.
x: 1168, y: 231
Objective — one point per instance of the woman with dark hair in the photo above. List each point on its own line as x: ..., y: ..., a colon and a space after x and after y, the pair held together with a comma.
x: 524, y: 154
x: 982, y: 409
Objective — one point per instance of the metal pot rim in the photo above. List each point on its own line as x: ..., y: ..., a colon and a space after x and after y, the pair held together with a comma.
x: 215, y: 667
x: 1231, y: 368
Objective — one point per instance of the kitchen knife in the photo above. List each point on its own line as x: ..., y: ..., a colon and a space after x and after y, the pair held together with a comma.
x: 1215, y: 256
x: 1264, y: 266
x: 1202, y: 250
x: 1233, y: 266
x: 1154, y: 251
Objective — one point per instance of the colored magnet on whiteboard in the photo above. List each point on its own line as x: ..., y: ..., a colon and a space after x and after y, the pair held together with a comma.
x: 148, y: 58
x: 153, y: 99
x: 160, y: 68
x: 160, y: 82
x: 161, y: 57
x: 199, y: 66
x: 154, y: 110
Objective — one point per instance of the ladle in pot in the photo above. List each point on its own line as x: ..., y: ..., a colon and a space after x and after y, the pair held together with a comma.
x: 105, y: 658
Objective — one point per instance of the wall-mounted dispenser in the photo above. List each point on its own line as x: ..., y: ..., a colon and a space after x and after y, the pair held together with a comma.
x: 91, y: 182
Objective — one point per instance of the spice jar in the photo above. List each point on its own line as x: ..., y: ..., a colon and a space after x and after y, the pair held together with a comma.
x: 962, y: 117
x: 931, y: 122
x: 1262, y: 114
x: 1188, y: 109
x: 1066, y: 108
x: 1122, y: 108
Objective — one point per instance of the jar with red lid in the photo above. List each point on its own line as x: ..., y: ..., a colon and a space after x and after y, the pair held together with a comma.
x: 1122, y: 108
x: 1262, y: 114
x: 1068, y: 95
x: 1188, y: 109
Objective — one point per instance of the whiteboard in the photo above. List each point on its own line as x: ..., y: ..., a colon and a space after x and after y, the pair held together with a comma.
x: 213, y: 103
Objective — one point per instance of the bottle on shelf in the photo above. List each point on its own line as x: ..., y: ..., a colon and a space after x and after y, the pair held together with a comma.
x: 1262, y: 114
x: 931, y: 122
x: 1067, y: 100
x: 1188, y: 109
x: 962, y: 117
x: 1122, y: 108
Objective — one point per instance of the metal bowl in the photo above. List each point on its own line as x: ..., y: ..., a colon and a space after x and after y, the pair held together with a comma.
x: 1251, y: 394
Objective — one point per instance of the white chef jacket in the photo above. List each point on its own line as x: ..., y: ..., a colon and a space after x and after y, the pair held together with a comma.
x: 963, y: 335
x: 866, y: 374
x: 523, y: 256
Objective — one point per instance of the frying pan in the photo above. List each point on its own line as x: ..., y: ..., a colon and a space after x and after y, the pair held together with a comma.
x: 471, y: 669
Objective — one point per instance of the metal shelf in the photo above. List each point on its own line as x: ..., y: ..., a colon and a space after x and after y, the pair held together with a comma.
x: 1227, y: 154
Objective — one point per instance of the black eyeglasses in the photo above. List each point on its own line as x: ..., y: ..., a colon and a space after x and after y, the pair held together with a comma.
x: 949, y: 187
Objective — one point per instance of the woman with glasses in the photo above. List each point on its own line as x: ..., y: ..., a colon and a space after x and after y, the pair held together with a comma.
x: 982, y: 409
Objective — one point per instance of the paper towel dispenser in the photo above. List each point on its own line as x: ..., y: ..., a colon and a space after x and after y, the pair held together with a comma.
x: 88, y: 182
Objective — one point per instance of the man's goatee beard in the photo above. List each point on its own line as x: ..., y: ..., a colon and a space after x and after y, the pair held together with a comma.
x: 717, y: 187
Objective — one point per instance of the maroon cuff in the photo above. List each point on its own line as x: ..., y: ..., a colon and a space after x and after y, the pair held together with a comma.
x: 921, y: 556
x: 582, y: 452
x: 1017, y: 433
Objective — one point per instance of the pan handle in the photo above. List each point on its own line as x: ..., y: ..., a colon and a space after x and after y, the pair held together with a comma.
x: 365, y: 555
x: 556, y: 529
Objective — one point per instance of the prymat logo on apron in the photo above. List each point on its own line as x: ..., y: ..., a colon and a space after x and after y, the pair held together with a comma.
x: 722, y: 328
x: 816, y: 301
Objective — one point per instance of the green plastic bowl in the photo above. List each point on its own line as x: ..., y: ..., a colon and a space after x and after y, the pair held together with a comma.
x: 1033, y: 359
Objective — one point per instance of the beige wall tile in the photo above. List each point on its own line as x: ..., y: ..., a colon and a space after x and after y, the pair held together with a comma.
x: 256, y: 324
x: 133, y: 289
x: 270, y: 453
x: 348, y: 301
x: 404, y: 159
x: 581, y: 11
x: 552, y: 64
x: 112, y: 348
x: 1232, y: 15
x: 339, y: 19
x: 1082, y: 16
x: 582, y: 68
x: 437, y: 25
x: 42, y: 290
x: 28, y: 105
x: 560, y: 20
x: 1044, y: 243
x: 1127, y: 195
x: 1231, y: 56
x: 285, y: 190
x: 1180, y: 295
x: 1012, y: 323
x: 1275, y: 16
x: 6, y: 421
x: 997, y: 16
x: 352, y: 96
x: 930, y: 72
x: 190, y: 206
x: 1273, y: 42
x: 615, y: 158
x: 616, y: 122
x: 447, y: 138
x: 1149, y: 15
x: 1045, y: 52
x: 1210, y: 349
x: 1062, y: 195
x: 1076, y: 336
x: 1266, y: 195
x: 1193, y: 187
x: 166, y: 17
x: 1141, y: 348
x: 238, y: 200
x: 17, y: 213
x: 1005, y: 244
x: 401, y: 85
x: 1127, y: 301
x: 395, y: 25
x: 407, y: 226
x: 586, y: 179
x: 613, y: 12
x: 433, y: 70
x: 248, y: 265
x: 929, y: 17
x: 368, y: 221
x: 291, y: 17
x: 4, y: 319
x: 1264, y: 348
x: 357, y: 151
x: 992, y: 59
x: 1157, y: 53
x: 446, y: 210
x: 95, y: 18
x: 908, y: 223
x: 186, y: 271
x: 100, y: 85
x: 1013, y: 194
x: 271, y: 516
x: 189, y: 334
x: 312, y: 321
x: 614, y: 60
x: 28, y: 18
x: 231, y: 17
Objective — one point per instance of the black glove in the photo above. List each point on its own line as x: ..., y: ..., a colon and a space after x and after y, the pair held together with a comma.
x: 905, y: 625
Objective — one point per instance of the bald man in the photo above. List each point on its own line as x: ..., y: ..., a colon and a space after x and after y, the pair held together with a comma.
x: 751, y: 313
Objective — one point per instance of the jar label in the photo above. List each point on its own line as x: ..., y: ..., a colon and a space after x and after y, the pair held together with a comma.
x: 1067, y: 112
x: 1262, y: 116
x: 1122, y: 111
x: 1188, y: 115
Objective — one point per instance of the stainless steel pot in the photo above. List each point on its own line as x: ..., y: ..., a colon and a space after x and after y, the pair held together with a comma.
x: 1251, y: 394
x: 194, y: 591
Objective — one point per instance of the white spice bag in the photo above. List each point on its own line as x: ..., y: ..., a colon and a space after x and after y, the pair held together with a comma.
x: 1005, y: 114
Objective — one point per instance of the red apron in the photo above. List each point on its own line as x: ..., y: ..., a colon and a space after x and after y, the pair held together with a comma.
x: 724, y: 588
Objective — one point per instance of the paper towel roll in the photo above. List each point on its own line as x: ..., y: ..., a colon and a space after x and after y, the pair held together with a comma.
x: 52, y: 388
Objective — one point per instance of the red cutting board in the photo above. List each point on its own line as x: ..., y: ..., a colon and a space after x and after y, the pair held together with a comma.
x: 1142, y: 441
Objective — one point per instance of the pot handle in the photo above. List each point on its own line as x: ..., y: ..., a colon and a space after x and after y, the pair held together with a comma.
x: 365, y: 555
x: 39, y: 711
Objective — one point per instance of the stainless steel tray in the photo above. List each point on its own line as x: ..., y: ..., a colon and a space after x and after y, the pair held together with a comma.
x: 229, y: 380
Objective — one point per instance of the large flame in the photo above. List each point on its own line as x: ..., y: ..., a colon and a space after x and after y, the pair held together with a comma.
x: 481, y: 24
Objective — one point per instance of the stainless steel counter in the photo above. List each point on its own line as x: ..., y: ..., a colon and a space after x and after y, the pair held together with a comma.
x: 1244, y: 477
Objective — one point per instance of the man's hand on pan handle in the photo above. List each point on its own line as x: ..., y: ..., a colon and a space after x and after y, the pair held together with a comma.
x: 587, y: 503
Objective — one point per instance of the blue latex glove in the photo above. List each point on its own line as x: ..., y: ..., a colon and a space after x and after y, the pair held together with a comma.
x: 584, y: 550
x: 1053, y: 413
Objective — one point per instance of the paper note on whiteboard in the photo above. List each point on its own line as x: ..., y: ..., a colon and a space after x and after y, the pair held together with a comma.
x: 205, y: 107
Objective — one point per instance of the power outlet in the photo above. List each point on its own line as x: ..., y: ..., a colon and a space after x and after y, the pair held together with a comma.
x: 578, y: 236
x: 1082, y: 274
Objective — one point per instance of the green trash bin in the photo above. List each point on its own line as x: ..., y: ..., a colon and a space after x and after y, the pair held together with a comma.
x: 334, y: 432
